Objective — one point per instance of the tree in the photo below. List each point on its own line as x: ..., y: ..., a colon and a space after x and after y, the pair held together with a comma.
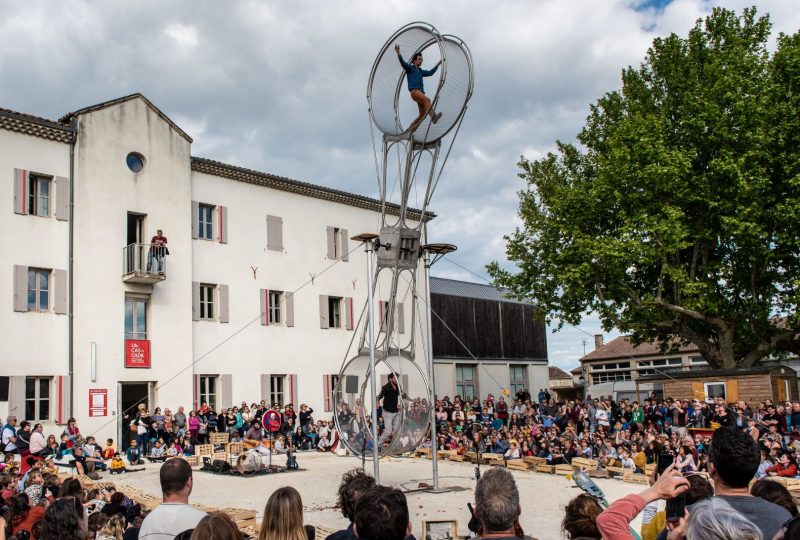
x: 678, y: 216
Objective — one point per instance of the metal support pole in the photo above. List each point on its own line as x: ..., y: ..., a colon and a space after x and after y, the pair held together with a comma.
x: 429, y: 339
x: 369, y: 247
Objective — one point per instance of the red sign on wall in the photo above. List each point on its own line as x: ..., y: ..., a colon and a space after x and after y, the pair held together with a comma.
x: 98, y: 402
x: 137, y: 353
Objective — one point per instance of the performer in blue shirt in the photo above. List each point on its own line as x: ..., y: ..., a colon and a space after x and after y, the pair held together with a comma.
x: 414, y: 75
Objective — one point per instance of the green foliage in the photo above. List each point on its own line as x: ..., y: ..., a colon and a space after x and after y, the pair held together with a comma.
x: 678, y: 214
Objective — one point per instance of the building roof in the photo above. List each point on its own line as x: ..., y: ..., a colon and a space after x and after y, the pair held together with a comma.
x: 558, y: 373
x: 217, y: 168
x: 622, y: 347
x: 467, y: 289
x: 577, y: 371
x: 111, y: 102
x: 716, y: 373
x: 35, y: 126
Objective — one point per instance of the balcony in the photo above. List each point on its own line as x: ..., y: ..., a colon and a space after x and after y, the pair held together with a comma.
x: 144, y: 263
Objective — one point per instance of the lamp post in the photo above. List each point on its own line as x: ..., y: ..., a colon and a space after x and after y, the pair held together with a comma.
x: 438, y: 251
x: 370, y: 242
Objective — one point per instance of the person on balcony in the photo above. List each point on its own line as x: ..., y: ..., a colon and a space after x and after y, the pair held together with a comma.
x: 158, y: 250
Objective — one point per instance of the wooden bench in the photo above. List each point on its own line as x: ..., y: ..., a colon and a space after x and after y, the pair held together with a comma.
x: 518, y: 464
x: 634, y: 478
x: 204, y: 450
x: 545, y: 468
x: 533, y: 460
x: 218, y: 439
x: 564, y: 469
x: 584, y: 464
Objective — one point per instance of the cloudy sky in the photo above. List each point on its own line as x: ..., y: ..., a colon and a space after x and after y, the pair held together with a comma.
x: 281, y: 87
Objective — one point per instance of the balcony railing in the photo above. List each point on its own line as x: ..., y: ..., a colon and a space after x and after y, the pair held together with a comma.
x: 144, y: 263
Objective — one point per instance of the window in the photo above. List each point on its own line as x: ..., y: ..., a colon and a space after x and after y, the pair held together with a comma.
x: 276, y: 389
x: 135, y: 162
x: 207, y: 302
x: 337, y: 243
x: 208, y: 390
x: 466, y: 386
x: 332, y: 397
x: 334, y: 312
x: 205, y: 220
x: 135, y: 317
x: 611, y: 377
x: 275, y: 309
x: 698, y: 363
x: 39, y: 195
x: 37, y: 398
x: 38, y: 289
x: 715, y: 389
x: 663, y: 365
x: 517, y: 379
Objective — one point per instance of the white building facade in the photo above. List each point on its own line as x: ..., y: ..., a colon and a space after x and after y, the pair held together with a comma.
x: 257, y: 298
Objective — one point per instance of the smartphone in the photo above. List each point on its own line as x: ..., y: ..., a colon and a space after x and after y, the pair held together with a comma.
x: 676, y: 508
x: 664, y: 461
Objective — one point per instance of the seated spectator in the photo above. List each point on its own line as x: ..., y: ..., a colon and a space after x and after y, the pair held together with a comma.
x: 157, y: 452
x: 117, y: 465
x: 497, y: 506
x: 217, y: 526
x: 354, y: 484
x: 85, y: 464
x: 382, y: 514
x: 115, y: 505
x: 580, y: 518
x: 775, y: 493
x: 513, y: 452
x: 134, y: 454
x: 786, y: 466
x: 21, y: 516
x: 114, y: 529
x: 283, y: 517
x: 95, y: 523
x: 174, y: 515
x: 766, y: 463
x: 109, y: 450
x: 64, y: 520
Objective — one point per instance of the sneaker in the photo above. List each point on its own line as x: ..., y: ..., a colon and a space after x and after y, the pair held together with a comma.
x: 436, y: 117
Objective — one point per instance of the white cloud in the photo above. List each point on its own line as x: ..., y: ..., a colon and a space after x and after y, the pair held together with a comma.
x: 185, y: 37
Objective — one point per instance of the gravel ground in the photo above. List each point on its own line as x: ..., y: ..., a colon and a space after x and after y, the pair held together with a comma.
x: 543, y: 496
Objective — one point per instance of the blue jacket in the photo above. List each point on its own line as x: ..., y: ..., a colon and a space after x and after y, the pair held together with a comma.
x: 414, y: 74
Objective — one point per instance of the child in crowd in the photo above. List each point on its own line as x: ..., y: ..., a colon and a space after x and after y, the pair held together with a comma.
x: 109, y: 450
x: 134, y: 455
x: 157, y: 452
x: 65, y: 448
x: 117, y: 465
x: 9, y: 485
x: 172, y: 450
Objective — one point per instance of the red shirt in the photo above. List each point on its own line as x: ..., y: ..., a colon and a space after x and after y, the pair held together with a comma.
x: 34, y: 514
x: 158, y: 240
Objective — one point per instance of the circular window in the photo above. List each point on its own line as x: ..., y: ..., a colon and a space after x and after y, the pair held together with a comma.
x: 135, y: 162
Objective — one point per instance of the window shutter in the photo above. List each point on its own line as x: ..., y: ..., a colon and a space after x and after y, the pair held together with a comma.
x: 323, y: 312
x: 344, y: 239
x: 223, y: 224
x: 348, y: 313
x: 274, y: 233
x: 289, y: 309
x: 20, y: 288
x: 264, y: 388
x: 732, y: 391
x: 63, y: 390
x: 331, y: 243
x: 60, y: 304
x: 326, y: 382
x: 292, y: 388
x: 382, y: 315
x: 20, y: 191
x: 401, y: 320
x: 195, y: 301
x: 224, y: 315
x: 196, y: 392
x: 698, y: 391
x: 62, y: 198
x: 16, y: 397
x: 264, y: 302
x: 225, y: 391
x: 195, y: 220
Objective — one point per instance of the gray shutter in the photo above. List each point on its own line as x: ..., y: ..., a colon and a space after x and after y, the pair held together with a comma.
x: 293, y: 399
x: 289, y: 308
x: 223, y: 304
x: 195, y: 301
x: 401, y: 319
x: 20, y: 288
x: 274, y: 233
x: 62, y: 198
x: 264, y: 302
x: 16, y: 398
x: 323, y: 312
x: 331, y: 242
x: 197, y: 392
x: 225, y: 391
x: 20, y: 191
x: 60, y: 303
x: 348, y: 313
x: 63, y: 392
x: 265, y: 388
x: 223, y: 224
x: 345, y: 246
x: 195, y: 220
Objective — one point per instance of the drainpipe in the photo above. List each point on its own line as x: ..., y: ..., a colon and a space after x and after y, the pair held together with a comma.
x: 70, y: 276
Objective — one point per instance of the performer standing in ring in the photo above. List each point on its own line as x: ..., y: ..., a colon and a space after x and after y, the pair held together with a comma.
x: 389, y: 394
x: 414, y: 75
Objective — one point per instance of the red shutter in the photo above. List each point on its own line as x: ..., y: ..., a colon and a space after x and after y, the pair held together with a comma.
x: 326, y: 381
x: 223, y: 224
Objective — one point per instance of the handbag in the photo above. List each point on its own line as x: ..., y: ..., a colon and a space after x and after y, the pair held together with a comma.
x: 201, y: 430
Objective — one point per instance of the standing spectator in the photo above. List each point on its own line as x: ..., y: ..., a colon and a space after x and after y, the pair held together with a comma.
x: 179, y: 422
x: 382, y: 514
x: 158, y: 250
x: 174, y: 515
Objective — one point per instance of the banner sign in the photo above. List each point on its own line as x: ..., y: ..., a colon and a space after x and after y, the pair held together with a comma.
x: 137, y: 353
